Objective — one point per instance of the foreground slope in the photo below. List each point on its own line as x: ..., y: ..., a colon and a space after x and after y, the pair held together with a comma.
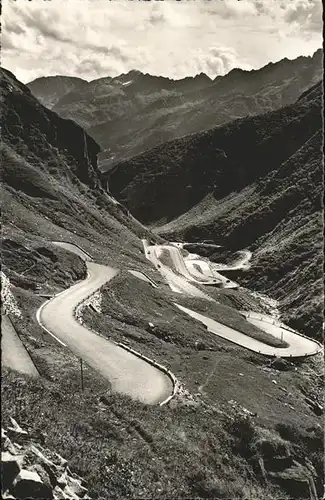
x: 131, y: 113
x: 211, y: 440
x: 254, y: 183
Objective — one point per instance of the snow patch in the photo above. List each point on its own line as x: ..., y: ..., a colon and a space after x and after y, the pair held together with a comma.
x: 127, y: 83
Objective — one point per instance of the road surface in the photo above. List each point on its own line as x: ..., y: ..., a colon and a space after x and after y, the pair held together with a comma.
x: 242, y: 262
x: 298, y: 345
x: 74, y: 249
x: 207, y: 269
x: 176, y: 282
x: 13, y: 352
x: 127, y: 373
x: 194, y: 270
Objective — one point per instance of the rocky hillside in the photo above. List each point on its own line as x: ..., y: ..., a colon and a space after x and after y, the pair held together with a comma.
x: 254, y: 183
x: 50, y: 173
x: 131, y: 113
x: 30, y: 471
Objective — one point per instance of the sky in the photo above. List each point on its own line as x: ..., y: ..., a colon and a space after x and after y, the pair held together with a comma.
x: 174, y: 38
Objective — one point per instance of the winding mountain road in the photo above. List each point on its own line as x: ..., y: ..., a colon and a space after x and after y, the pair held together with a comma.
x: 299, y: 345
x: 127, y: 373
x: 197, y: 271
x: 242, y: 262
x: 178, y: 283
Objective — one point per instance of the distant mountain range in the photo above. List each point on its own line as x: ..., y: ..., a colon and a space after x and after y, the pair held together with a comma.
x: 49, y: 90
x: 133, y: 112
x: 253, y: 183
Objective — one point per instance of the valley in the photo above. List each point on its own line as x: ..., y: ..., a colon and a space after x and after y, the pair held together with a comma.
x: 244, y: 186
x: 190, y: 386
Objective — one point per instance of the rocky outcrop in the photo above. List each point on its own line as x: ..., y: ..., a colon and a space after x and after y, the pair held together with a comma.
x: 37, y: 133
x: 30, y: 471
x: 28, y: 484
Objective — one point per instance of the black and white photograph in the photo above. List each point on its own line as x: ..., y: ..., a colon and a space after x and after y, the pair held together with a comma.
x: 162, y: 297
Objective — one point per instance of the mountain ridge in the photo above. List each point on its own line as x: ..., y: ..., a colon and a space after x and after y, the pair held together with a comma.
x: 130, y: 116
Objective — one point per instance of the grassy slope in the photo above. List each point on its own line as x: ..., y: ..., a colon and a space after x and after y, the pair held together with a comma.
x: 127, y: 449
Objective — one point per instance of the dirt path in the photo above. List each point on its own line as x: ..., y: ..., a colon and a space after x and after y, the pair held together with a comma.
x: 13, y: 352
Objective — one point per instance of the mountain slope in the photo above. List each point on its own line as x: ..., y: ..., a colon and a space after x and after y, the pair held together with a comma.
x: 212, y: 437
x: 254, y: 183
x: 131, y: 113
x: 49, y: 90
x: 51, y: 184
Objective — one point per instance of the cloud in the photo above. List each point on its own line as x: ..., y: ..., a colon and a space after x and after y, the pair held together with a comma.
x: 170, y: 38
x: 156, y: 16
x: 218, y: 61
x: 306, y: 15
x: 7, y: 42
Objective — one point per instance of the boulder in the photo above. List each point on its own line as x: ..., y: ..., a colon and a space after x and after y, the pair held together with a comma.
x: 53, y: 457
x: 40, y: 470
x: 58, y: 494
x: 16, y: 432
x: 76, y: 487
x: 10, y: 468
x: 36, y: 456
x: 70, y: 494
x: 62, y: 480
x: 6, y: 445
x: 3, y: 436
x: 16, y: 427
x: 7, y: 496
x: 29, y: 485
x: 62, y: 462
